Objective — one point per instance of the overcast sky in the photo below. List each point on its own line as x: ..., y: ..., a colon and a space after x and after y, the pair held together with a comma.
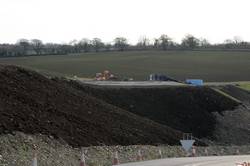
x: 65, y: 20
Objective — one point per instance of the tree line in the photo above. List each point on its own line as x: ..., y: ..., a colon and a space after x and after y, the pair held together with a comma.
x: 24, y: 47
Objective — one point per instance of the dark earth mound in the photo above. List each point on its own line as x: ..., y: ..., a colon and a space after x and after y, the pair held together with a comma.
x: 188, y: 109
x: 237, y: 93
x: 32, y: 103
x: 233, y: 127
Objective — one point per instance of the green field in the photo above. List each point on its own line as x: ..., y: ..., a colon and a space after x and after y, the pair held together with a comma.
x: 244, y: 85
x: 207, y: 65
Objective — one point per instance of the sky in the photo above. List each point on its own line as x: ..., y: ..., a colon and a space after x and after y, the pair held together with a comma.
x: 61, y: 21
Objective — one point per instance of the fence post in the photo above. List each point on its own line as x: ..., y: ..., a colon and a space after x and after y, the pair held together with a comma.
x: 116, y: 159
x: 139, y: 155
x: 34, y: 160
x: 160, y: 154
x: 82, y: 162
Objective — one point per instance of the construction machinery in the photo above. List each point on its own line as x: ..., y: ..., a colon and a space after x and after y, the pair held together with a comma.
x: 105, y: 76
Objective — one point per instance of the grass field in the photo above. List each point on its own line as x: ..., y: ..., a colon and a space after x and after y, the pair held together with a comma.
x: 207, y: 65
x: 244, y: 85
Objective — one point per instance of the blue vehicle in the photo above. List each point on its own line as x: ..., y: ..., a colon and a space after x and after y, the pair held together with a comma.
x: 195, y: 82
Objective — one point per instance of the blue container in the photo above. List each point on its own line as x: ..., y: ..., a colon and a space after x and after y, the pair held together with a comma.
x: 195, y: 82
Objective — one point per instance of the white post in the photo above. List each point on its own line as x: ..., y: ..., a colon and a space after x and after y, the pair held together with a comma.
x: 139, y: 155
x: 160, y: 153
x: 116, y: 159
x: 34, y: 161
x: 82, y: 162
x: 206, y: 152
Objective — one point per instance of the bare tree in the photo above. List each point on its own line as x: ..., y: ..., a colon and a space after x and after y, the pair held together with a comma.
x: 51, y: 48
x: 24, y: 45
x: 165, y: 42
x: 143, y: 42
x: 190, y: 42
x: 97, y: 44
x: 75, y: 46
x: 229, y: 43
x: 121, y: 43
x: 37, y: 46
x: 107, y: 46
x: 85, y: 44
x: 204, y: 42
x: 237, y: 40
x: 156, y: 43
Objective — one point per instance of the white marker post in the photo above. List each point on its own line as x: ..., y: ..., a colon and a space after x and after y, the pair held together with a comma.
x: 34, y: 161
x: 82, y: 162
x: 206, y: 152
x: 139, y: 156
x: 116, y: 159
x: 193, y: 151
x: 237, y: 151
x: 160, y: 154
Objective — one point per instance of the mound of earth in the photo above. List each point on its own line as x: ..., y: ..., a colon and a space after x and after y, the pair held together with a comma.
x: 234, y: 126
x: 236, y: 92
x: 187, y: 109
x: 32, y: 103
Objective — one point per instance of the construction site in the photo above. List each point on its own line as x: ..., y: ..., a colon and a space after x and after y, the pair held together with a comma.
x: 48, y: 115
x: 79, y: 114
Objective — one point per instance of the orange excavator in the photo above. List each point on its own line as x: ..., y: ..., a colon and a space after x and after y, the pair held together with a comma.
x: 105, y: 76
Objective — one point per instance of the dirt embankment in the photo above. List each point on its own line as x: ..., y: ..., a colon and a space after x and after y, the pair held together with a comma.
x: 188, y: 109
x: 85, y: 115
x: 233, y: 127
x: 32, y: 103
x: 238, y: 93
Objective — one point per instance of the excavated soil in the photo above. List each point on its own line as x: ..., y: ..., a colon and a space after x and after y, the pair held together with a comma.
x: 238, y: 93
x: 187, y: 109
x: 32, y: 103
x: 84, y: 115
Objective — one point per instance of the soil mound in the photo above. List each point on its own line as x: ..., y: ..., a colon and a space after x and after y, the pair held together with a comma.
x: 232, y: 127
x: 237, y: 93
x: 188, y: 109
x: 32, y: 103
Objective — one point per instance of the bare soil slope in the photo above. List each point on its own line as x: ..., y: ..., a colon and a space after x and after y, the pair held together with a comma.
x: 188, y: 109
x: 32, y: 103
x: 234, y: 126
x: 238, y: 93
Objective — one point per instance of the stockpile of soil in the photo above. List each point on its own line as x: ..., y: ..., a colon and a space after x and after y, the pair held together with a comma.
x: 237, y: 93
x: 188, y: 109
x: 233, y: 126
x: 32, y: 103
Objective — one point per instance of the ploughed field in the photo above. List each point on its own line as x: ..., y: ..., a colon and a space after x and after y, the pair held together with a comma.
x: 207, y: 65
x: 84, y: 115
